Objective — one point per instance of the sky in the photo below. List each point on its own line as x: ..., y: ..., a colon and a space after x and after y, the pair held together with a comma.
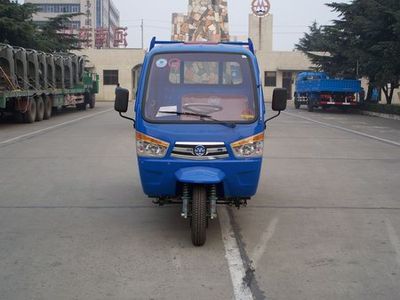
x: 291, y: 18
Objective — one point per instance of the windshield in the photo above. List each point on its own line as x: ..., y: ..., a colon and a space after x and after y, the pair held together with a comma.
x: 200, y: 87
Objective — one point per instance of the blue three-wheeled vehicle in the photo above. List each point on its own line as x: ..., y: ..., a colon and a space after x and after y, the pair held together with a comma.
x: 200, y: 122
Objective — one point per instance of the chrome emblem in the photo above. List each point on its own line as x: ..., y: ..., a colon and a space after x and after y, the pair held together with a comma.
x: 200, y: 150
x: 260, y: 8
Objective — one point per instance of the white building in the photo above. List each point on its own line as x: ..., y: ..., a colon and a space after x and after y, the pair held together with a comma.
x: 115, y: 65
x: 277, y: 68
x: 99, y: 19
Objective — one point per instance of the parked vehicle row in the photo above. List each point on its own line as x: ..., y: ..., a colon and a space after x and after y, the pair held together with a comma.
x: 33, y: 83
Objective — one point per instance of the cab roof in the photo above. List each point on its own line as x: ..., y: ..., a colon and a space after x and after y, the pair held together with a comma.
x: 177, y: 46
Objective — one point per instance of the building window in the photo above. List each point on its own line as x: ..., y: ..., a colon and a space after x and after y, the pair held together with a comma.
x: 75, y: 25
x: 59, y: 8
x: 110, y: 77
x: 270, y: 79
x: 98, y: 14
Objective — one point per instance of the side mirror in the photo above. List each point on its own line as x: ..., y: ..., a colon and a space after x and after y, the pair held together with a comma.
x: 121, y: 100
x: 279, y: 99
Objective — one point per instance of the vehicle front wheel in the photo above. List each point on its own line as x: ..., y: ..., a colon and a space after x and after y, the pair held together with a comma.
x: 199, y: 215
x: 81, y: 106
x: 92, y: 102
x: 296, y: 104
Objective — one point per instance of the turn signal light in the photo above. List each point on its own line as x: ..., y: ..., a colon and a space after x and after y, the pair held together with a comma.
x: 147, y: 146
x: 250, y: 147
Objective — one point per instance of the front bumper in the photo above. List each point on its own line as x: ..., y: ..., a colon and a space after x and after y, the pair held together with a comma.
x: 239, y: 178
x: 338, y: 103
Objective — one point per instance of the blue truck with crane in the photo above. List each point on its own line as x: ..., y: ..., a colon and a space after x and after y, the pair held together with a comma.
x: 316, y: 89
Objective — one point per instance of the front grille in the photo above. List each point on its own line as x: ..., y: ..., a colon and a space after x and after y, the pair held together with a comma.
x: 200, y: 151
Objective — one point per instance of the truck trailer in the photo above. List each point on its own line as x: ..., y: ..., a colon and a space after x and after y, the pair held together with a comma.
x: 316, y: 89
x: 34, y: 83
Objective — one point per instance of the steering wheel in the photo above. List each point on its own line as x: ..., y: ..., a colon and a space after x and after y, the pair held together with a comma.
x: 202, y: 108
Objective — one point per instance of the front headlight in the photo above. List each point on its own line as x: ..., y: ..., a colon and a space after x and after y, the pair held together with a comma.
x: 250, y: 147
x: 147, y: 146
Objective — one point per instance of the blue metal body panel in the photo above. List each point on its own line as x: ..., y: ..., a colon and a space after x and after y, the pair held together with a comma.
x: 161, y: 177
x: 310, y: 82
x: 200, y: 175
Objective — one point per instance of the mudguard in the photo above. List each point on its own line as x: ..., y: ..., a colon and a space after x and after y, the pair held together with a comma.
x: 200, y: 175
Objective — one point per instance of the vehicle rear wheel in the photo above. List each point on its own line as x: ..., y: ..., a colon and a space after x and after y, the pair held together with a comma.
x: 30, y: 115
x: 310, y: 106
x: 48, y: 107
x: 296, y: 101
x: 39, y: 109
x: 199, y: 215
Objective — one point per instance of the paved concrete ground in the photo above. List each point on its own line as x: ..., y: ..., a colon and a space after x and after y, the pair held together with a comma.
x: 74, y: 223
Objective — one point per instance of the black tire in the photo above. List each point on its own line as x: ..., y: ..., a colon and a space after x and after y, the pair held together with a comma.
x: 90, y: 99
x: 19, y: 117
x: 81, y: 106
x: 199, y: 215
x: 296, y: 104
x: 48, y: 107
x: 39, y: 109
x: 30, y: 115
x: 310, y: 106
x: 92, y: 103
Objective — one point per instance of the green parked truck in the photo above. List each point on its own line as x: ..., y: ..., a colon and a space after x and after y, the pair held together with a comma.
x: 34, y: 83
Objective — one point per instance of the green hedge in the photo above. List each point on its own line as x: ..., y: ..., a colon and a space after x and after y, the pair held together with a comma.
x: 393, y: 109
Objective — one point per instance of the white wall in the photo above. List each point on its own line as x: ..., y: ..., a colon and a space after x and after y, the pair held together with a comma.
x: 278, y: 61
x: 123, y: 60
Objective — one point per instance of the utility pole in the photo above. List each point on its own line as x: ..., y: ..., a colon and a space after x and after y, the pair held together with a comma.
x: 260, y: 33
x: 142, y: 30
x: 109, y: 25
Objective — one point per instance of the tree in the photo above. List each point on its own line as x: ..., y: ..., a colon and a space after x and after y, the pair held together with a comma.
x: 363, y: 41
x: 52, y: 35
x: 16, y: 26
x: 18, y: 29
x: 327, y: 47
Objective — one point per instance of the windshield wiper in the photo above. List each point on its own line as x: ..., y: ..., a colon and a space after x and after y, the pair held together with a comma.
x: 181, y: 113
